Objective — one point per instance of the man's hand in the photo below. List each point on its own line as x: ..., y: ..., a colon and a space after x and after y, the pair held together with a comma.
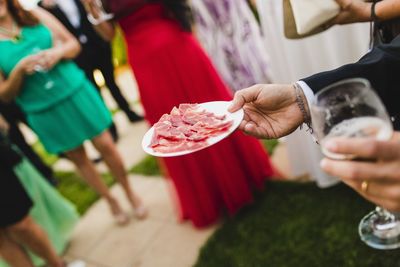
x: 270, y: 110
x: 381, y: 170
x: 352, y: 11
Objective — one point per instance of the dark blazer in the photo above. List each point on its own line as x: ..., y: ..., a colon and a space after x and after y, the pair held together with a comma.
x: 92, y: 44
x: 381, y: 66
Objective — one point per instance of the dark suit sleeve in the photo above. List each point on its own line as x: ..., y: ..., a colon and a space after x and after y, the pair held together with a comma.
x: 381, y: 66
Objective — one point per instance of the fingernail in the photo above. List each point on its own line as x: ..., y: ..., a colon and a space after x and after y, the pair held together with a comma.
x: 331, y: 145
x: 323, y: 163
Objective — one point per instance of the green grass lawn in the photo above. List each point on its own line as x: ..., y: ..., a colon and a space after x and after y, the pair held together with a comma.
x: 147, y: 166
x: 49, y: 159
x: 270, y: 145
x: 72, y: 187
x: 76, y: 190
x: 296, y: 225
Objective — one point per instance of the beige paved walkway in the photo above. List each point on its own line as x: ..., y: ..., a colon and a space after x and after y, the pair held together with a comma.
x: 157, y: 241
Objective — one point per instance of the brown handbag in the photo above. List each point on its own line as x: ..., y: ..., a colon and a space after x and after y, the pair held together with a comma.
x: 289, y: 24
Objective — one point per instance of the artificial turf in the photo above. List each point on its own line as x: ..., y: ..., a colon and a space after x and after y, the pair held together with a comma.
x: 295, y: 225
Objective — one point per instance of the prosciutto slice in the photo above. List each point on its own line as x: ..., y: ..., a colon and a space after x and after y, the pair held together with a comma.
x: 187, y: 127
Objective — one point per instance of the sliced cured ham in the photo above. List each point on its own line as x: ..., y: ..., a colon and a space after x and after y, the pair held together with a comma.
x: 187, y: 127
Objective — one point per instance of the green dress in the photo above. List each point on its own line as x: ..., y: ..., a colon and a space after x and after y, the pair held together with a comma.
x: 51, y: 211
x: 62, y: 106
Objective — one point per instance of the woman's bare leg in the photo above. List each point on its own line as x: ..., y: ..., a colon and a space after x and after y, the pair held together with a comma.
x: 89, y: 173
x: 12, y: 252
x: 105, y: 145
x: 29, y: 234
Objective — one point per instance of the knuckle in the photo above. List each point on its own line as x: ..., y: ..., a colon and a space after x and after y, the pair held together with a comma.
x: 390, y: 170
x: 372, y: 148
x: 353, y: 173
x: 393, y: 193
x: 237, y: 94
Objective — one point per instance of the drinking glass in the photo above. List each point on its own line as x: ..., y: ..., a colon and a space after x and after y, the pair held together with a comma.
x: 351, y: 109
x: 103, y: 15
x: 42, y: 72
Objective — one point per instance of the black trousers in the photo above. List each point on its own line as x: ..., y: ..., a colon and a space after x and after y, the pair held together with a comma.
x: 101, y: 59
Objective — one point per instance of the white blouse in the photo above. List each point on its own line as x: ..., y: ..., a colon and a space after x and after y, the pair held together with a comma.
x: 71, y: 11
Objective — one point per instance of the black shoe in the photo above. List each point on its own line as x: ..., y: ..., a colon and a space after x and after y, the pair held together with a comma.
x: 114, y: 132
x: 133, y: 117
x: 97, y: 160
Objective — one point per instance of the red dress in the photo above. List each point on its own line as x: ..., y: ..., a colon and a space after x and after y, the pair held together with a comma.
x: 171, y: 68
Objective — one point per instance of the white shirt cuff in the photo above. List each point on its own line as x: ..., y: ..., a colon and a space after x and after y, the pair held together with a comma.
x: 309, y: 94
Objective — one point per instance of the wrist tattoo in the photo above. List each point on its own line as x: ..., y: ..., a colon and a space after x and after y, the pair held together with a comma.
x: 302, y: 106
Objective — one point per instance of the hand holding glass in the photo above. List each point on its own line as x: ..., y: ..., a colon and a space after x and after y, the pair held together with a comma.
x: 351, y: 109
x: 102, y: 15
x: 48, y: 83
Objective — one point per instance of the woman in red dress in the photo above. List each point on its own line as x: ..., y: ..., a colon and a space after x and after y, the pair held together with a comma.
x: 171, y: 68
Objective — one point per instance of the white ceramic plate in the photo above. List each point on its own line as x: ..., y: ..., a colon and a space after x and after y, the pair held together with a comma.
x: 216, y: 107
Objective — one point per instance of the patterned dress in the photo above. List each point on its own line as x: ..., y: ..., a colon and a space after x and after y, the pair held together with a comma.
x: 230, y: 34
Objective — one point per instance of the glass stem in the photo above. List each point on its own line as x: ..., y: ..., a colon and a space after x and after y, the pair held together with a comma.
x: 385, y: 214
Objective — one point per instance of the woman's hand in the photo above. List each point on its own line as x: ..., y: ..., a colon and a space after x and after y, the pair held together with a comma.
x: 270, y: 110
x: 352, y: 11
x: 50, y: 57
x: 91, y: 7
x: 380, y: 174
x: 27, y: 65
x: 11, y: 85
x: 105, y: 29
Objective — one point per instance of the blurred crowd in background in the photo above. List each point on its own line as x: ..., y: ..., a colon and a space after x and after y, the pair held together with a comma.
x: 179, y: 52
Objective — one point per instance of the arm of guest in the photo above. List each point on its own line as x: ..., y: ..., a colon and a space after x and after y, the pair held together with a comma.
x: 381, y: 66
x: 105, y: 29
x: 352, y: 11
x: 65, y: 46
x: 10, y: 87
x: 387, y: 9
x: 275, y: 110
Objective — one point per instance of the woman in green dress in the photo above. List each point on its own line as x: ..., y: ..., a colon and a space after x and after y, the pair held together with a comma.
x: 61, y: 105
